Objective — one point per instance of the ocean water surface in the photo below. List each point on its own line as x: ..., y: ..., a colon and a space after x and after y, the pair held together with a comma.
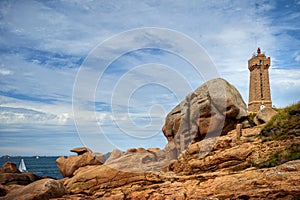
x: 42, y: 166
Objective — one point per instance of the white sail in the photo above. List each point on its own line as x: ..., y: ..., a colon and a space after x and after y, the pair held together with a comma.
x: 22, y: 166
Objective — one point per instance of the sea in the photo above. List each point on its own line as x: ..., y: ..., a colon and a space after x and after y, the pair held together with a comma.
x: 42, y: 166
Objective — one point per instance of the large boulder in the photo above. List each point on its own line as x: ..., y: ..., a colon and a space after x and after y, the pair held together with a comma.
x: 80, y: 150
x: 67, y: 166
x: 136, y: 150
x: 41, y: 189
x: 100, y: 179
x: 18, y: 178
x: 9, y: 167
x: 99, y: 156
x: 214, y: 108
x: 135, y: 160
x: 227, y: 158
x: 264, y: 115
x: 116, y: 153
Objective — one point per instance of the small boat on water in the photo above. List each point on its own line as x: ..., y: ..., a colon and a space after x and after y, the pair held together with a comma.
x: 22, y: 166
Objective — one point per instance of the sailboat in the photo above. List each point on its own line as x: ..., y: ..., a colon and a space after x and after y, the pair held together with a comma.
x: 22, y: 166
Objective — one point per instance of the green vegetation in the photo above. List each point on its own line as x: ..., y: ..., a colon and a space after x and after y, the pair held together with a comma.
x: 296, y: 198
x: 277, y: 109
x: 251, y: 135
x: 251, y: 117
x: 273, y: 136
x: 283, y: 125
x: 292, y: 152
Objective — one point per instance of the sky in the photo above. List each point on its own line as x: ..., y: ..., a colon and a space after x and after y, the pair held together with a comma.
x: 104, y: 74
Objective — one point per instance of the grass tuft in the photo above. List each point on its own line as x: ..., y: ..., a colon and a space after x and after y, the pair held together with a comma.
x: 284, y: 124
x: 292, y: 152
x: 251, y: 117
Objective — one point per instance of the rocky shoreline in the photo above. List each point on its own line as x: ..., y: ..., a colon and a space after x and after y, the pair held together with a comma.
x: 241, y: 163
x: 228, y: 173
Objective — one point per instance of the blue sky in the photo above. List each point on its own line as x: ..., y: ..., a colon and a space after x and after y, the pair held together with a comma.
x: 44, y: 45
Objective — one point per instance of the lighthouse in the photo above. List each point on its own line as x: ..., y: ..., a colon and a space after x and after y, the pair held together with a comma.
x: 259, y: 87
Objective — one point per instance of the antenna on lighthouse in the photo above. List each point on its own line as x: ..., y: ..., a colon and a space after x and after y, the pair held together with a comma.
x: 258, y: 50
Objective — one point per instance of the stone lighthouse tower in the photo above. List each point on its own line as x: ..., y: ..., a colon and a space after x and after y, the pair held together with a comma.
x: 259, y: 89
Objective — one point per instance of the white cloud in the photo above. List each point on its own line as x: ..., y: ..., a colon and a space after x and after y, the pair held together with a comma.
x: 297, y: 57
x: 285, y: 86
x: 5, y: 72
x: 11, y: 115
x: 34, y: 79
